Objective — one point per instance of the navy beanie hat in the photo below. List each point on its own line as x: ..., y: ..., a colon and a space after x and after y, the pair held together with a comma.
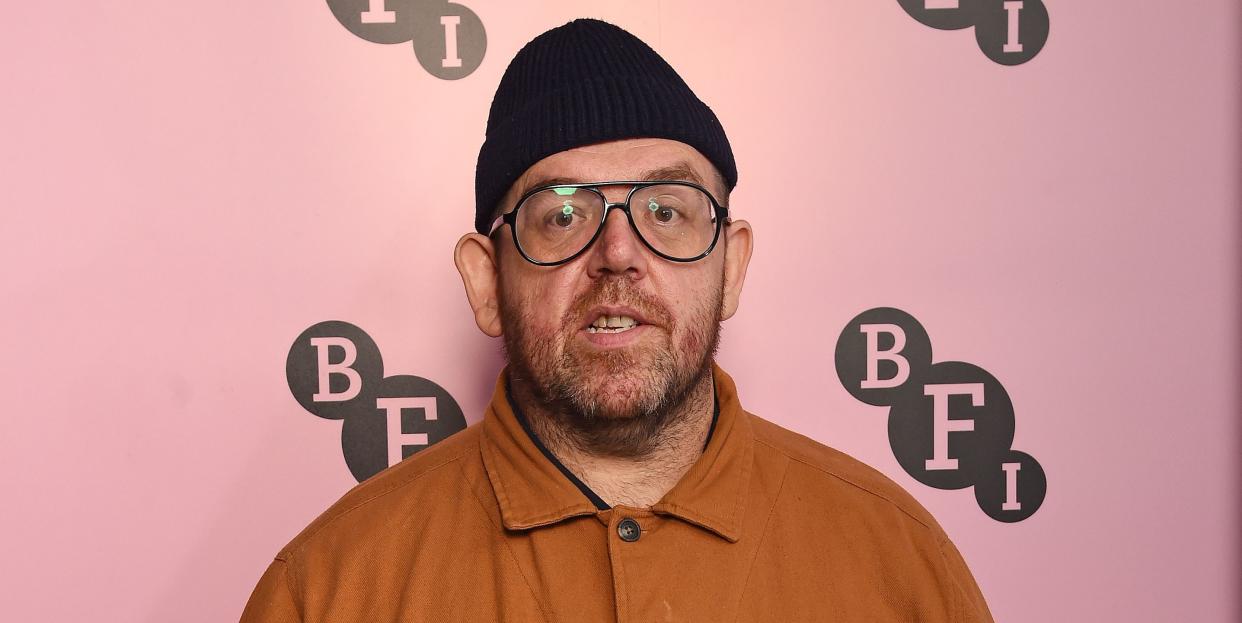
x: 587, y: 82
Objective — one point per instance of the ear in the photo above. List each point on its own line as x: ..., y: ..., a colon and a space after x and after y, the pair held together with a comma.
x: 475, y: 258
x: 739, y: 242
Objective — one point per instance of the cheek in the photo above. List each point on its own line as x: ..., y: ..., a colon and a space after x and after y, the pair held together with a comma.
x: 693, y: 298
x: 541, y: 299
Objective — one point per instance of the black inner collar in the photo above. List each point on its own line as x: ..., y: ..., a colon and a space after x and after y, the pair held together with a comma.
x: 599, y: 502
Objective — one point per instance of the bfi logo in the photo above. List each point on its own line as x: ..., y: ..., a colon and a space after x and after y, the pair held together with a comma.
x: 950, y: 424
x: 1009, y: 32
x: 449, y: 39
x: 335, y: 372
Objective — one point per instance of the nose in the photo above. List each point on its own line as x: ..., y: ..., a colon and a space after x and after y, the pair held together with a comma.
x: 617, y: 251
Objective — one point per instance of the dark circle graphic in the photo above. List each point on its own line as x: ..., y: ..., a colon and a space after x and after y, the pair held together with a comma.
x: 364, y: 436
x: 378, y: 21
x: 992, y: 490
x: 994, y: 36
x: 336, y: 390
x: 943, y: 15
x: 912, y: 426
x: 449, y: 40
x: 852, y: 355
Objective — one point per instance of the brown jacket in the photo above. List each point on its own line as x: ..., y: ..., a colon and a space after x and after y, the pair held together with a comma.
x: 766, y: 526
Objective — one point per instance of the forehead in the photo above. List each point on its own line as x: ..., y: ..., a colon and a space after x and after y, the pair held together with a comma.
x: 628, y: 159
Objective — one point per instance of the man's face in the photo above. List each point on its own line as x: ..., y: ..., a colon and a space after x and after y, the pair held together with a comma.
x: 615, y: 386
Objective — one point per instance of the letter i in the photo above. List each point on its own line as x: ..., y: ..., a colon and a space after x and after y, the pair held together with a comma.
x: 1013, y: 8
x: 1011, y: 487
x: 450, y: 23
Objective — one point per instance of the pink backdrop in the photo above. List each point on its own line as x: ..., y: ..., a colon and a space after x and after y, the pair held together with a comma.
x: 188, y: 186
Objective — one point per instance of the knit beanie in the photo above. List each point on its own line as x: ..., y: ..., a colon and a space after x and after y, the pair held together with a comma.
x: 587, y: 82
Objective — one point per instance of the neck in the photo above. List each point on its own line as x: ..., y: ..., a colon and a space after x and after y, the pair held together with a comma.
x: 636, y: 481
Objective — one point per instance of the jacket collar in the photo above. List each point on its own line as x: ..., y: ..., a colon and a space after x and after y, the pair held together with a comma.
x: 531, y: 491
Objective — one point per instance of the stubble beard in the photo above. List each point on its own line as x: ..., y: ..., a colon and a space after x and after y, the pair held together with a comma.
x: 614, y: 402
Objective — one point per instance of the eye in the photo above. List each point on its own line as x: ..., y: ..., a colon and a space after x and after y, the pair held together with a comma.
x: 564, y: 218
x: 661, y: 213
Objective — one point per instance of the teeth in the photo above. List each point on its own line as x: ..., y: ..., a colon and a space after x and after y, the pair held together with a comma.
x: 612, y: 324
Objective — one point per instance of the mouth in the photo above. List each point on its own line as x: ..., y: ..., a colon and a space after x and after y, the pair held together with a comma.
x: 613, y: 319
x: 612, y: 324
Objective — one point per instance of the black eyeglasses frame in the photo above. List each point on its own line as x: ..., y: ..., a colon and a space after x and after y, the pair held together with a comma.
x: 720, y: 216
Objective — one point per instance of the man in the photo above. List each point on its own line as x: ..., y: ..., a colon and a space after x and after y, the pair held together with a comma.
x: 615, y: 475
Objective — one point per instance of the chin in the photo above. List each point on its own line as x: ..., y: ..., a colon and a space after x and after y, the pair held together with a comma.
x: 619, y: 394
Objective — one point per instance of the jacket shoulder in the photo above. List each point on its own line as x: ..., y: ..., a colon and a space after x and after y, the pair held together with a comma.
x: 831, y: 467
x: 372, y: 503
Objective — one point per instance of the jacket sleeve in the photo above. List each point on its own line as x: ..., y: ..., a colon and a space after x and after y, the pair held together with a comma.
x: 272, y: 600
x: 970, y: 605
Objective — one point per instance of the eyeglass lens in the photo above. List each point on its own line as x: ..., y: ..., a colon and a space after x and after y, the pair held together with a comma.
x: 556, y: 223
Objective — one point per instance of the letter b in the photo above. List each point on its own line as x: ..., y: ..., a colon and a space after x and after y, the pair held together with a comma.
x: 327, y: 369
x: 331, y: 368
x: 882, y: 353
x: 874, y: 355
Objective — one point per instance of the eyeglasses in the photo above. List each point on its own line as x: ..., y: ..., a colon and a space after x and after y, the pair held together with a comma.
x: 679, y: 221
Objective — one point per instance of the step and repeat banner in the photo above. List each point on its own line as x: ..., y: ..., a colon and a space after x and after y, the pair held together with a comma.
x: 996, y: 259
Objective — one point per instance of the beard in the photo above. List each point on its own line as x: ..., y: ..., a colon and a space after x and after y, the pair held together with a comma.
x: 616, y: 402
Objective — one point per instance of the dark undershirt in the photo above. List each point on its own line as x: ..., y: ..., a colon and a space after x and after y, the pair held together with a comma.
x: 591, y: 495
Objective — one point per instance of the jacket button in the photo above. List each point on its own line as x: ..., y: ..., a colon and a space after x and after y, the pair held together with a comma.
x: 629, y: 530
